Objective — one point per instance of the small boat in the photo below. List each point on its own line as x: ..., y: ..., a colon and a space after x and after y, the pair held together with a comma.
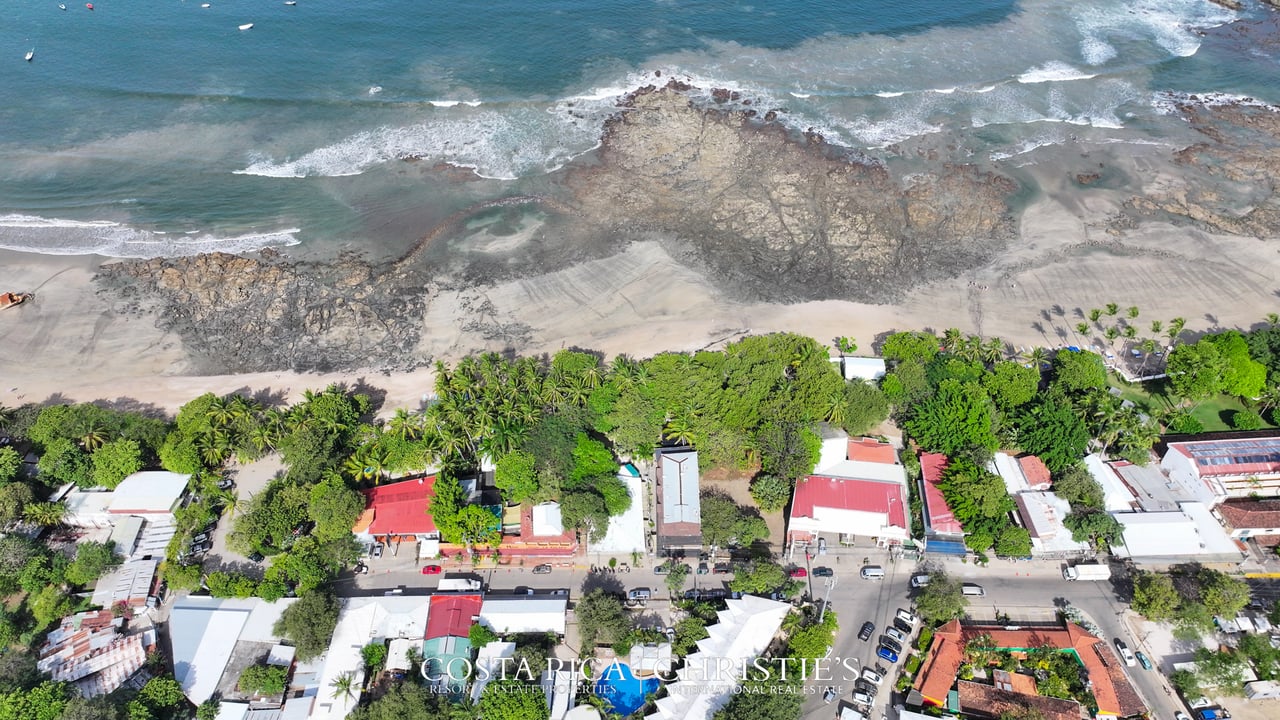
x: 30, y: 54
x: 8, y: 299
x: 62, y: 6
x: 89, y: 5
x: 204, y: 5
x: 246, y: 26
x: 375, y: 89
x: 290, y: 2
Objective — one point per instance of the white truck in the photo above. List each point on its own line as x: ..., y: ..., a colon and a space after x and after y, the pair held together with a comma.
x: 1087, y: 571
x: 463, y: 584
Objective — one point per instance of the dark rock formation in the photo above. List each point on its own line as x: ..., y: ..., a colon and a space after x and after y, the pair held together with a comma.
x: 777, y: 218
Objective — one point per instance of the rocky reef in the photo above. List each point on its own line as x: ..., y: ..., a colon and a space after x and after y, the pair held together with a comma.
x: 764, y: 213
x: 782, y: 218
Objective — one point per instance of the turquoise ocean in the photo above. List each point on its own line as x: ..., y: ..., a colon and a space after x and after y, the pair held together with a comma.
x: 147, y: 128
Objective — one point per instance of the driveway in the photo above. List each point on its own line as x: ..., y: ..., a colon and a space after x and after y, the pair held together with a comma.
x: 250, y: 480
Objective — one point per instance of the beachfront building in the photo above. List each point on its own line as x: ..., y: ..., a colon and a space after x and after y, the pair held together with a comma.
x: 1237, y: 465
x: 862, y: 494
x: 397, y: 513
x: 92, y: 651
x: 676, y: 494
x: 150, y: 495
x: 943, y: 534
x: 745, y: 628
x: 1112, y: 691
x: 866, y: 369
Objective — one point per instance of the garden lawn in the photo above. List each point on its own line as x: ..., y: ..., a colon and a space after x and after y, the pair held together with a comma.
x: 1152, y: 398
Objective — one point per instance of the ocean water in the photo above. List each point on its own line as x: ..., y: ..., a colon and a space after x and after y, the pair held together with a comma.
x: 157, y: 128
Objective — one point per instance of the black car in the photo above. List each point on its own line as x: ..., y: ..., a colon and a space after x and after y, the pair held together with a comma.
x: 692, y: 594
x: 868, y: 629
x: 715, y: 594
x: 823, y: 572
x: 904, y: 626
x: 890, y: 643
x: 201, y: 547
x: 722, y: 568
x: 259, y: 557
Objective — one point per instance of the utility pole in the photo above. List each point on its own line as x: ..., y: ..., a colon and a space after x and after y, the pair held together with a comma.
x: 831, y: 583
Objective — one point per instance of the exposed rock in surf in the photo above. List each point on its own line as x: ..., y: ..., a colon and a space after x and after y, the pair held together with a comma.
x: 777, y: 217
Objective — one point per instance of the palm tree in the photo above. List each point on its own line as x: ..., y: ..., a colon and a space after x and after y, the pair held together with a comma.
x: 1038, y: 357
x: 680, y: 428
x: 1112, y: 309
x: 1083, y: 328
x: 214, y: 447
x: 951, y: 340
x: 835, y: 408
x: 45, y: 514
x: 1273, y: 319
x: 1132, y: 312
x: 1156, y: 327
x: 242, y: 407
x: 1176, y: 326
x: 6, y: 416
x: 1130, y: 332
x: 368, y: 463
x: 93, y: 438
x: 993, y: 351
x: 344, y: 687
x: 1094, y: 315
x: 220, y: 412
x: 405, y: 425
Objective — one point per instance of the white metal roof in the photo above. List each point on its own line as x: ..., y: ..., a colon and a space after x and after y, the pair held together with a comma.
x: 361, y: 621
x: 203, y: 632
x: 488, y: 665
x: 1043, y: 513
x: 1116, y: 497
x: 680, y: 500
x: 710, y: 675
x: 626, y: 531
x: 546, y: 519
x: 1190, y: 531
x: 863, y: 368
x: 863, y: 470
x: 520, y: 613
x: 154, y: 491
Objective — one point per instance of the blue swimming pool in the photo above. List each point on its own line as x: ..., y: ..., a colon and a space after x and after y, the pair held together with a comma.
x: 623, y: 691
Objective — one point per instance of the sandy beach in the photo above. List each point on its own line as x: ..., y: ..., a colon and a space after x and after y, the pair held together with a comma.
x: 76, y: 342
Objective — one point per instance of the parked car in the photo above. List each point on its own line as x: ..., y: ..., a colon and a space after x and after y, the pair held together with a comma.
x: 1142, y: 660
x: 543, y: 569
x: 226, y: 484
x: 868, y: 629
x: 799, y: 573
x: 203, y: 547
x: 829, y: 695
x: 861, y: 698
x: 257, y: 557
x: 692, y: 594
x: 1179, y: 715
x: 889, y: 642
x: 872, y: 676
x: 919, y: 581
x: 663, y: 569
x: 199, y: 538
x: 866, y: 688
x: 823, y: 572
x: 377, y: 551
x: 722, y: 568
x: 703, y: 569
x: 896, y: 634
x: 905, y: 617
x: 822, y: 546
x: 715, y: 594
x: 210, y: 527
x: 1125, y: 653
x: 431, y: 569
x: 885, y: 653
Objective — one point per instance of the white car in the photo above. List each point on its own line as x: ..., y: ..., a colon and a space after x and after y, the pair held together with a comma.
x: 906, y: 617
x: 1125, y: 653
x: 872, y: 676
x: 898, y: 636
x: 861, y: 698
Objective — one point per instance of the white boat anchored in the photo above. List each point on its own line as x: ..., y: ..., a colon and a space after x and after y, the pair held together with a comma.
x: 62, y: 6
x: 375, y: 89
x: 290, y: 2
x: 246, y: 26
x: 31, y: 54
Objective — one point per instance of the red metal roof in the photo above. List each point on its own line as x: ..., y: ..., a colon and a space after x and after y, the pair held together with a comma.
x: 937, y: 512
x: 871, y: 450
x: 451, y: 615
x: 847, y: 494
x: 401, y: 508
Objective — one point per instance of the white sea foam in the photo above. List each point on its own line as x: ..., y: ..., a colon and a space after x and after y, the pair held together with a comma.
x: 801, y: 95
x: 890, y: 94
x: 1053, y: 71
x: 944, y: 91
x: 52, y: 236
x: 1096, y: 51
x: 443, y: 103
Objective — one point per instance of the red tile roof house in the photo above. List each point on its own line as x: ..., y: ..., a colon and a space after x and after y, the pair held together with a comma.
x: 942, y: 532
x: 1112, y: 692
x: 399, y: 513
x: 1252, y: 519
x: 863, y: 496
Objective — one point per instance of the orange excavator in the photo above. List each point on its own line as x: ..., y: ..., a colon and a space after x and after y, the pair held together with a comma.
x: 8, y: 300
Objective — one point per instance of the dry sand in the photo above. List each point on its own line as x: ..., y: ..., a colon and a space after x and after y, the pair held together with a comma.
x: 76, y: 344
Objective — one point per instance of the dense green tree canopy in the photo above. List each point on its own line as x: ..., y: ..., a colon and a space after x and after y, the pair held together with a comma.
x: 1052, y: 430
x: 92, y: 560
x: 907, y: 346
x: 957, y: 420
x: 758, y: 577
x: 335, y: 507
x: 1011, y: 385
x: 1196, y: 370
x: 510, y: 699
x: 516, y: 477
x: 601, y: 619
x: 10, y: 464
x: 1078, y: 371
x: 115, y: 461
x: 309, y: 622
x: 941, y: 600
x: 1242, y: 376
x: 727, y: 524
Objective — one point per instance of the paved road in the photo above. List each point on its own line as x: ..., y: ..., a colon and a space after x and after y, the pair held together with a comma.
x: 1029, y: 591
